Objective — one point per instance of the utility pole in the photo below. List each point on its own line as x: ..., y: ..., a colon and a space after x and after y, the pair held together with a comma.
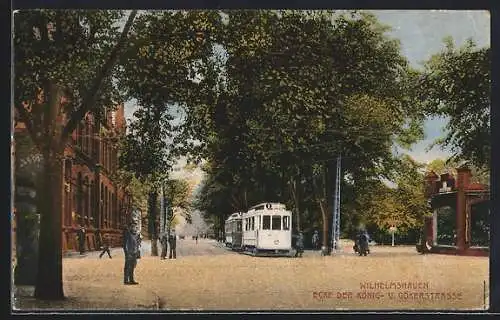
x: 336, y: 208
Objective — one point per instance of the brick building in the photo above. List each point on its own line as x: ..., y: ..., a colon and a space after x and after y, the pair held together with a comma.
x: 91, y: 196
x: 460, y: 220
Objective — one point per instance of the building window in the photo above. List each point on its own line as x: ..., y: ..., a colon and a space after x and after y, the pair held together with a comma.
x: 67, y: 192
x: 79, y: 135
x: 114, y: 210
x: 101, y: 206
x: 109, y: 208
x: 79, y: 198
x: 93, y: 204
x: 86, y: 202
x: 84, y: 137
x: 87, y: 137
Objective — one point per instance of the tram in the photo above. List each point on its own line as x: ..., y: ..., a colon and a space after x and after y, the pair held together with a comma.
x: 233, y: 231
x: 267, y: 228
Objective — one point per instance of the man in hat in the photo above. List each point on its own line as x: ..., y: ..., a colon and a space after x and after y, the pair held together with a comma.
x: 172, y: 242
x: 81, y: 239
x: 315, y: 240
x: 131, y: 248
x: 164, y: 245
x: 299, y: 245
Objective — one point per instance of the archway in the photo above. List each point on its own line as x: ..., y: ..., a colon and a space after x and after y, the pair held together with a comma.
x: 479, y: 234
x: 445, y: 226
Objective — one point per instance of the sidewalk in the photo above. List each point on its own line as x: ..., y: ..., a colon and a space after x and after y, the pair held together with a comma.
x: 90, y: 283
x: 94, y: 296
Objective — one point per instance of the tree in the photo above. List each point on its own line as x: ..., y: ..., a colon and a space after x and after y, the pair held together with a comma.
x: 178, y: 199
x: 456, y: 83
x: 295, y: 92
x: 64, y: 63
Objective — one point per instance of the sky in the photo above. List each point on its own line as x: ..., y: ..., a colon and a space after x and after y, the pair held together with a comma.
x: 421, y: 33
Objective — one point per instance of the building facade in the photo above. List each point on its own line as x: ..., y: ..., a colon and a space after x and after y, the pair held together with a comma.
x: 92, y: 198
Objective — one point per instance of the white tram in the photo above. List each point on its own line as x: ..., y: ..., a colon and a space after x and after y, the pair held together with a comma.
x: 233, y: 231
x: 267, y: 228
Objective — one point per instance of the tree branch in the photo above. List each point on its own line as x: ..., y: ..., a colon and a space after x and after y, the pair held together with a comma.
x: 26, y: 120
x: 91, y: 96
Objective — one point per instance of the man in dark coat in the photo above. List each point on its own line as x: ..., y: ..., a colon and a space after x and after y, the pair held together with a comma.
x: 164, y: 245
x: 131, y: 248
x: 299, y: 245
x: 315, y: 240
x: 172, y: 242
x: 81, y: 239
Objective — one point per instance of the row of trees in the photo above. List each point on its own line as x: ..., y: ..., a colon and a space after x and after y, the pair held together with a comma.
x: 302, y: 91
x: 268, y: 98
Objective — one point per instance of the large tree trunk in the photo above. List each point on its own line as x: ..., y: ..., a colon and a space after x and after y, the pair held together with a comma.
x: 49, y: 285
x: 152, y: 225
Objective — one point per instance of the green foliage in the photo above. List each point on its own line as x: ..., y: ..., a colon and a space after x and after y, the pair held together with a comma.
x: 63, y: 49
x: 440, y: 166
x: 376, y: 204
x: 178, y: 193
x: 297, y: 88
x: 457, y: 83
x: 163, y: 69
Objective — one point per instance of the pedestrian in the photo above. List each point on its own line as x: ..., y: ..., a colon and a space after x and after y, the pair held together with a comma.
x: 131, y: 248
x: 196, y: 238
x: 172, y: 242
x: 106, y: 243
x: 98, y: 239
x: 81, y: 239
x: 315, y: 240
x: 164, y: 245
x: 299, y: 245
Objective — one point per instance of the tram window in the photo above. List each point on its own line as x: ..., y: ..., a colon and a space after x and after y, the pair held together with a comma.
x: 276, y: 223
x: 286, y: 223
x: 238, y: 226
x: 253, y: 223
x: 266, y: 222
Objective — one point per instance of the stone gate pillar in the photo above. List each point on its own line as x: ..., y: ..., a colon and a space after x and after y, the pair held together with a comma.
x: 463, y: 180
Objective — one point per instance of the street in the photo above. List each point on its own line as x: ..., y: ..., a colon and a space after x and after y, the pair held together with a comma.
x: 206, y: 276
x: 188, y: 247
